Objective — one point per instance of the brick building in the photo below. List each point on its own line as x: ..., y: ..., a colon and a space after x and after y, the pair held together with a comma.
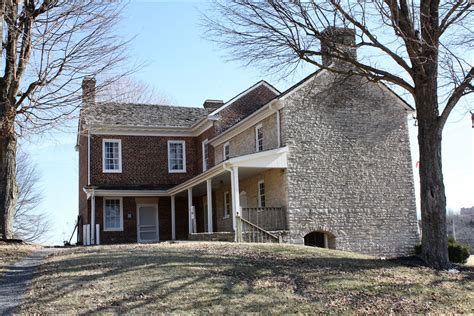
x: 326, y: 163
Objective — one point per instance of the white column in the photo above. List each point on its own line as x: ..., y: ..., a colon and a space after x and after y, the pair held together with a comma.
x: 93, y: 218
x: 190, y: 210
x: 173, y: 218
x: 235, y: 195
x: 209, y: 206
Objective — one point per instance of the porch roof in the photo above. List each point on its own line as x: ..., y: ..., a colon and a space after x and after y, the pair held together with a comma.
x: 269, y: 159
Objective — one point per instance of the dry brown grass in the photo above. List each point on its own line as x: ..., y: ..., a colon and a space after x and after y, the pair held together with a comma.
x: 10, y: 253
x: 237, y: 278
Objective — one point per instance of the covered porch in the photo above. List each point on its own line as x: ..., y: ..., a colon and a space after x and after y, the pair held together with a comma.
x: 251, y: 187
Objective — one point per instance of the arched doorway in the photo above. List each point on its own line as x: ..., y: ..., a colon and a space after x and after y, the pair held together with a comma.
x: 320, y: 239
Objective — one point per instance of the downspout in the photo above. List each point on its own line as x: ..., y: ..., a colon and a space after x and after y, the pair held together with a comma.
x: 93, y: 218
x: 88, y: 158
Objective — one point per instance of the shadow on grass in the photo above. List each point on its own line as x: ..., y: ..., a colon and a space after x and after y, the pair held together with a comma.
x: 198, y: 280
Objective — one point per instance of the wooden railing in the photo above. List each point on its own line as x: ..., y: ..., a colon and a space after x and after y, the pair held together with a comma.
x: 268, y: 218
x: 249, y: 232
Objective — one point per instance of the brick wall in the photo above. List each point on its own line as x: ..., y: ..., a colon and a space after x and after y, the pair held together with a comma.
x: 349, y: 166
x: 243, y: 107
x: 129, y: 233
x: 144, y: 161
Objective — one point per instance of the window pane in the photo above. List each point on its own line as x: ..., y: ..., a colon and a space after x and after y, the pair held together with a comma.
x: 176, y: 156
x: 111, y: 156
x: 112, y: 214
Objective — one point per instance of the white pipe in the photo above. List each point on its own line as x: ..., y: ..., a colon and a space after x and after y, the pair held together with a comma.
x: 173, y: 218
x: 88, y: 158
x: 93, y: 218
x: 190, y: 210
x: 209, y: 206
x: 97, y: 234
x: 84, y: 235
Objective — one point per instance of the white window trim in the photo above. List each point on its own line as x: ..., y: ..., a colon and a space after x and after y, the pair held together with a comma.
x: 121, y: 215
x: 259, y: 195
x: 204, y: 166
x: 223, y: 151
x: 259, y: 126
x: 227, y: 211
x: 184, y: 156
x: 108, y: 140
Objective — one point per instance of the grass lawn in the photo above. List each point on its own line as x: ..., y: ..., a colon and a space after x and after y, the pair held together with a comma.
x: 10, y: 253
x: 232, y: 278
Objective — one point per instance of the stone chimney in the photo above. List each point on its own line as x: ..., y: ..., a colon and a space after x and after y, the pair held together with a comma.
x: 337, y: 41
x: 88, y: 90
x: 213, y: 104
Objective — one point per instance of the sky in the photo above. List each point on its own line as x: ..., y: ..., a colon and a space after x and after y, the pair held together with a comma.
x: 185, y: 67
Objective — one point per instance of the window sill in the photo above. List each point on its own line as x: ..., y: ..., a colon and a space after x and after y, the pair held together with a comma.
x: 176, y: 171
x: 226, y: 217
x: 111, y: 171
x: 113, y: 230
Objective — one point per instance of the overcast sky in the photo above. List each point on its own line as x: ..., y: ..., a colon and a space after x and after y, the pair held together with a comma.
x: 187, y: 69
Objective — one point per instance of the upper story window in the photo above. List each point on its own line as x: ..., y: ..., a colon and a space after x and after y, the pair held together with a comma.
x: 226, y: 151
x: 259, y: 138
x: 226, y: 204
x: 113, y: 214
x: 176, y: 156
x: 205, y: 155
x: 111, y: 155
x: 261, y: 193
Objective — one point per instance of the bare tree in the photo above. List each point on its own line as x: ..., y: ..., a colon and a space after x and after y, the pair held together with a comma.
x: 49, y: 46
x: 423, y: 49
x: 131, y: 90
x: 30, y: 224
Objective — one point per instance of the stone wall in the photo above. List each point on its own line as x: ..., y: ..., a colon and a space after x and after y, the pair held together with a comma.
x: 461, y: 227
x: 275, y: 195
x: 349, y: 166
x: 244, y: 143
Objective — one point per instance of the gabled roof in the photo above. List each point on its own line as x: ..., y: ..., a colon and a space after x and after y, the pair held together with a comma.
x: 243, y: 105
x: 147, y: 115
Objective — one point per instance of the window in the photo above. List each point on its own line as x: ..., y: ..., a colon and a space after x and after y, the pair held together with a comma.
x: 176, y: 156
x: 113, y: 214
x: 226, y: 151
x: 261, y: 193
x: 226, y: 204
x: 205, y: 155
x: 111, y: 155
x: 259, y: 138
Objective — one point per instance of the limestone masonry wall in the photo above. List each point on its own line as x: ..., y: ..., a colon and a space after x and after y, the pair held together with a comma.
x: 349, y: 166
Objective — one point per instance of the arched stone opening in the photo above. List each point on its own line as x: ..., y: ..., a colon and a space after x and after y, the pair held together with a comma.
x: 320, y: 239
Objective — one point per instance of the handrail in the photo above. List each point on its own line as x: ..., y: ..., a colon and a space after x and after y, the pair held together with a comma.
x: 254, y: 234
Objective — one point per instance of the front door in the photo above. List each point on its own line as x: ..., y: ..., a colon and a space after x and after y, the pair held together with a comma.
x: 148, y: 223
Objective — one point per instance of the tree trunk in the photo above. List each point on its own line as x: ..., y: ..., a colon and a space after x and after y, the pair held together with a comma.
x: 432, y: 193
x: 8, y: 185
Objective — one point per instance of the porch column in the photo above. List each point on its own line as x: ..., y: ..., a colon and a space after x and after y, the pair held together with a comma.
x: 209, y: 206
x: 190, y: 210
x: 235, y: 195
x: 173, y: 218
x: 93, y: 219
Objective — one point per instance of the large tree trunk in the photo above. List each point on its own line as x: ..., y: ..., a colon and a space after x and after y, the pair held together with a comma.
x: 433, y: 200
x: 8, y: 185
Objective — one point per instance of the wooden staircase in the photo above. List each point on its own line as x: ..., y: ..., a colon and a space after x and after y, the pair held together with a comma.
x: 248, y: 232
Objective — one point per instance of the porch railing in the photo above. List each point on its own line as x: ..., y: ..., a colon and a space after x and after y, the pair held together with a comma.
x: 249, y: 232
x: 268, y: 218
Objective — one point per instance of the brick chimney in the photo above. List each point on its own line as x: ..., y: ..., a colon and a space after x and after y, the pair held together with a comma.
x: 472, y: 119
x: 88, y: 90
x: 213, y: 104
x: 335, y: 40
